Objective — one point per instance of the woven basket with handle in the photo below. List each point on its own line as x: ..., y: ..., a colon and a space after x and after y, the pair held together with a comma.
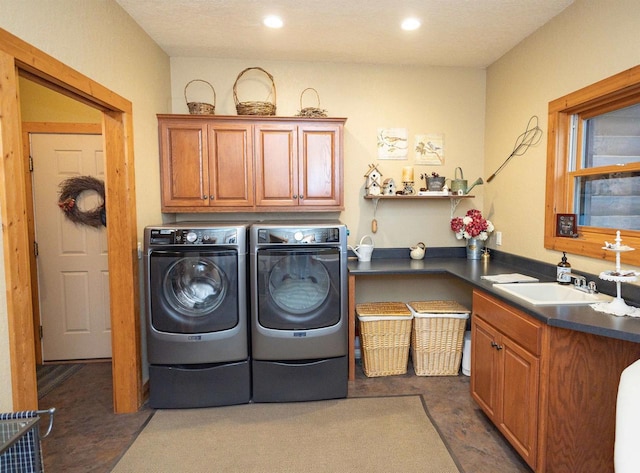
x: 255, y: 108
x: 200, y: 108
x: 313, y: 112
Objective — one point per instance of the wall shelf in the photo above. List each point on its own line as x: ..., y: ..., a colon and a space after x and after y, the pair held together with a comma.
x: 454, y: 201
x: 418, y: 197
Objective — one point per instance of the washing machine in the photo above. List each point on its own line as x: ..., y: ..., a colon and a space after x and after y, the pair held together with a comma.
x: 196, y: 314
x: 299, y: 322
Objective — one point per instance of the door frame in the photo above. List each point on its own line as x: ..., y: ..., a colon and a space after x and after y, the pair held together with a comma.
x: 43, y: 128
x: 18, y: 58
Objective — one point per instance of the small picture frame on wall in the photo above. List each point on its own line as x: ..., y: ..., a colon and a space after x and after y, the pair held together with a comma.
x: 566, y: 225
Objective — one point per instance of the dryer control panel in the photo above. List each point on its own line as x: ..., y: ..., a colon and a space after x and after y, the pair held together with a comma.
x: 298, y: 236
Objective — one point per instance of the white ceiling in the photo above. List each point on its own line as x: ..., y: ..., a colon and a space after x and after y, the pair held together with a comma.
x: 468, y: 33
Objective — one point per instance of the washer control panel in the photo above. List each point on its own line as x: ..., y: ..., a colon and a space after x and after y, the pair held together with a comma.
x: 193, y: 236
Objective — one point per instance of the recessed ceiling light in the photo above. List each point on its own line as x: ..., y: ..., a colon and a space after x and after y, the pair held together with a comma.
x: 410, y: 24
x: 273, y: 21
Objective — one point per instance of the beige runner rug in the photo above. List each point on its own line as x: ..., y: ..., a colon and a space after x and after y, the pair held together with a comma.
x: 386, y: 435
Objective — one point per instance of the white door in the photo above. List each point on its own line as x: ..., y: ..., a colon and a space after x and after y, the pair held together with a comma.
x: 73, y: 274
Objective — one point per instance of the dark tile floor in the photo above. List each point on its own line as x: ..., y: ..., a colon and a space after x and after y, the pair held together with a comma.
x: 88, y: 437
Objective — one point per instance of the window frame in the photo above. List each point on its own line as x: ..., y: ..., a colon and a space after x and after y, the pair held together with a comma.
x: 615, y: 92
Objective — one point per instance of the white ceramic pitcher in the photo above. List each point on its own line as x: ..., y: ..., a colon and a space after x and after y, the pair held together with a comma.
x: 364, y: 250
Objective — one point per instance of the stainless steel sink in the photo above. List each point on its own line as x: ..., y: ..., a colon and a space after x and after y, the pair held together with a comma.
x: 550, y: 293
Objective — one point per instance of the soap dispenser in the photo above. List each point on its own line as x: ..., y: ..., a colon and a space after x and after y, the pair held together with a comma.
x: 563, y: 270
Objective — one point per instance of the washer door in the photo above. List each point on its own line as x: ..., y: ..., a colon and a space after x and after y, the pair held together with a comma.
x: 195, y: 286
x: 193, y: 292
x: 298, y: 289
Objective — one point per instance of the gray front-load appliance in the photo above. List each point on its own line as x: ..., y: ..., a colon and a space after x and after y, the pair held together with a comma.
x: 299, y: 322
x: 196, y: 314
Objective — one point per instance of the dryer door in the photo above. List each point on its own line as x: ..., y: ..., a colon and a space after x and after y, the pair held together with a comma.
x: 193, y: 292
x: 298, y: 289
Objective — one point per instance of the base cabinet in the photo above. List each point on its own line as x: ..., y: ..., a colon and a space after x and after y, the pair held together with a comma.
x: 505, y: 371
x: 249, y: 164
x: 550, y: 391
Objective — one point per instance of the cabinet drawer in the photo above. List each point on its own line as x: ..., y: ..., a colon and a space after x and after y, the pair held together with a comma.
x: 518, y: 326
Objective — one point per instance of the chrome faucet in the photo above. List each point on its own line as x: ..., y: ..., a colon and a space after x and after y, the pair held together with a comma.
x: 580, y: 283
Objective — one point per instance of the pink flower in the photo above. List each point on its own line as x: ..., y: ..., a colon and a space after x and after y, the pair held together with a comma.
x: 472, y: 225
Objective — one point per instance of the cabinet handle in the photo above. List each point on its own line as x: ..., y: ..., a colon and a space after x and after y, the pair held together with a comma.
x: 493, y: 344
x: 212, y: 197
x: 295, y: 196
x: 498, y: 347
x: 205, y: 197
x: 301, y: 196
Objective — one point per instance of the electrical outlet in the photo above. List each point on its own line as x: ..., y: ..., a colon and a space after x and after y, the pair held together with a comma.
x: 498, y: 238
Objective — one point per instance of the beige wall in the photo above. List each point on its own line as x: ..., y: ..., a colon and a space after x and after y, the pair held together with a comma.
x: 101, y: 41
x: 422, y: 99
x: 589, y: 41
x: 41, y: 104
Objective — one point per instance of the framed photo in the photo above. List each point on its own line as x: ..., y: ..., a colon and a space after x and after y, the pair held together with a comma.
x: 566, y: 225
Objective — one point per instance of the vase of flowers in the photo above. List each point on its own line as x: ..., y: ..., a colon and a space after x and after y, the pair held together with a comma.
x: 474, y: 228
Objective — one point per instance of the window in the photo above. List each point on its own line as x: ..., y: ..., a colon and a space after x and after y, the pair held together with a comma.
x: 593, y: 167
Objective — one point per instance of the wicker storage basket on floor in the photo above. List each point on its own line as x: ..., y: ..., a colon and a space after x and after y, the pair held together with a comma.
x: 255, y: 108
x: 437, y: 337
x: 385, y: 334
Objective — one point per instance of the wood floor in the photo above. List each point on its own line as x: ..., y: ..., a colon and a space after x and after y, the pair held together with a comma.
x: 88, y: 437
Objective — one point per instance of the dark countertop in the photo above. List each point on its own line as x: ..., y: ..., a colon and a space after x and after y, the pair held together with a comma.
x: 579, y: 318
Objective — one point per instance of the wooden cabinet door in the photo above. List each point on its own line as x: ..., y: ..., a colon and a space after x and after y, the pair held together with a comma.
x: 276, y: 155
x: 484, y: 367
x: 519, y: 398
x: 320, y: 165
x: 230, y: 165
x: 505, y: 371
x: 184, y: 163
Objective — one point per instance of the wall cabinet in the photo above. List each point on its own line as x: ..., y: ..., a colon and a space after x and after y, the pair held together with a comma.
x: 298, y: 165
x: 205, y: 165
x: 505, y: 371
x: 211, y: 163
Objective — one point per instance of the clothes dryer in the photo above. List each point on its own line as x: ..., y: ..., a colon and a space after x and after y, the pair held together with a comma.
x: 299, y: 322
x: 196, y: 314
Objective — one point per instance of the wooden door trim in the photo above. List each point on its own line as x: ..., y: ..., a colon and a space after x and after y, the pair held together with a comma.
x: 117, y: 130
